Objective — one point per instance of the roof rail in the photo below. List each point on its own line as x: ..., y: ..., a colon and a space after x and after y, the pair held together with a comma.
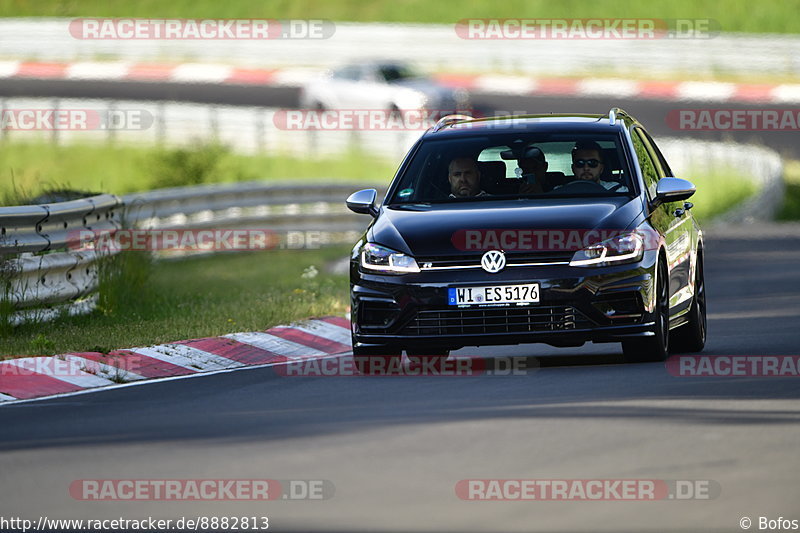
x: 450, y: 119
x: 614, y: 112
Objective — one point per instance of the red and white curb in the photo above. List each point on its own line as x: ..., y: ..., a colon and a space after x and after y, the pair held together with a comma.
x: 709, y: 91
x: 36, y: 377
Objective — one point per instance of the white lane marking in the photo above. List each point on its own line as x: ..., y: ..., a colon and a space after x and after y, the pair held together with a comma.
x: 8, y: 68
x: 295, y: 76
x: 505, y: 84
x: 608, y: 87
x: 326, y: 330
x: 198, y: 72
x: 90, y: 70
x: 788, y: 94
x: 274, y: 344
x: 6, y: 397
x: 186, y: 357
x: 106, y: 370
x: 706, y: 90
x: 60, y: 369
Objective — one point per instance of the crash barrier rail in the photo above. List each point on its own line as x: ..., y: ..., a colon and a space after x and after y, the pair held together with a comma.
x: 764, y: 167
x: 247, y: 129
x: 435, y: 47
x: 294, y: 216
x: 41, y: 277
x: 48, y: 266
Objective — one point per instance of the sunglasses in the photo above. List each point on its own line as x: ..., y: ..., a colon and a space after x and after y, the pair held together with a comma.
x: 580, y: 163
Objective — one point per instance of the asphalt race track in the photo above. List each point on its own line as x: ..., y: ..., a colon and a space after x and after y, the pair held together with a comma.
x: 395, y: 447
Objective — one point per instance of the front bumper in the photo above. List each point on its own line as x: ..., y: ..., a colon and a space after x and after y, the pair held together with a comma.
x: 577, y: 305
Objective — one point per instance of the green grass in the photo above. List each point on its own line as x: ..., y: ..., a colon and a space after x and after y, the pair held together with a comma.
x: 791, y: 201
x: 30, y: 168
x: 766, y: 16
x: 198, y: 297
x: 718, y: 192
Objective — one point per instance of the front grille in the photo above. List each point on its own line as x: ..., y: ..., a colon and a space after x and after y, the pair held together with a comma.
x: 495, y: 320
x: 461, y: 261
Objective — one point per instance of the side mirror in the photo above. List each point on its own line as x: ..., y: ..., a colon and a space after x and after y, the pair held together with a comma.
x: 673, y: 190
x: 363, y: 202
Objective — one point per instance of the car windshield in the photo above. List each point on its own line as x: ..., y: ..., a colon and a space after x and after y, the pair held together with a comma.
x: 514, y: 166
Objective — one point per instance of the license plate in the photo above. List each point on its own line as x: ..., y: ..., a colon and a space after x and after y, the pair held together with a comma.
x: 496, y: 294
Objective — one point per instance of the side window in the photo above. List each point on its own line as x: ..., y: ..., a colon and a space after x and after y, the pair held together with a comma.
x: 659, y: 157
x: 649, y: 172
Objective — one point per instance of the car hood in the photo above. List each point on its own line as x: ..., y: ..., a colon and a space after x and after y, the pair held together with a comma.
x: 438, y: 229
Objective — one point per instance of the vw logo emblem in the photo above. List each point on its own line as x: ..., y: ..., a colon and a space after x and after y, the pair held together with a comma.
x: 493, y: 261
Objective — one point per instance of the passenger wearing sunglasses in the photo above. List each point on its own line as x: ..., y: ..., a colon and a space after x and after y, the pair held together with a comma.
x: 587, y: 164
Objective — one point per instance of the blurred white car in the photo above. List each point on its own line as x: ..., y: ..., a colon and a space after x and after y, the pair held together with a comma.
x: 381, y: 85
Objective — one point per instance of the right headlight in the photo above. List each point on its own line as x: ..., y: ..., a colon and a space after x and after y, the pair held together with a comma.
x: 620, y: 249
x: 386, y: 260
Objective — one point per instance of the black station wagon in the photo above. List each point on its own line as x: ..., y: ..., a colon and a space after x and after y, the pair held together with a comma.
x: 559, y: 229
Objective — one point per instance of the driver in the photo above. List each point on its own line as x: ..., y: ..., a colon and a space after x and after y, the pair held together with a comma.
x: 587, y: 164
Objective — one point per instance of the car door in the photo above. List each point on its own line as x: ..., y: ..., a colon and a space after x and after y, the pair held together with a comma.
x: 375, y: 92
x: 346, y: 87
x: 675, y: 222
x: 692, y: 231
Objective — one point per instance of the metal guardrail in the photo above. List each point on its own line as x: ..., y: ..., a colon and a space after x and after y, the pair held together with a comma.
x: 41, y: 276
x: 759, y: 164
x: 249, y: 129
x: 284, y: 210
x: 47, y: 270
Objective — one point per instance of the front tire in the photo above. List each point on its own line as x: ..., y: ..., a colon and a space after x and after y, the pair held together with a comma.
x: 656, y: 347
x: 691, y: 337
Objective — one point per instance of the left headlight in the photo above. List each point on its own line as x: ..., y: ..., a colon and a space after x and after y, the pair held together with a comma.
x: 386, y: 260
x: 624, y: 248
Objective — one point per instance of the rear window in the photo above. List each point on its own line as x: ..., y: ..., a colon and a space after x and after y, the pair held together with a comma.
x: 514, y: 166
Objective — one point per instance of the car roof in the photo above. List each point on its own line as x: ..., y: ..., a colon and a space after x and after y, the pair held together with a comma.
x: 543, y: 123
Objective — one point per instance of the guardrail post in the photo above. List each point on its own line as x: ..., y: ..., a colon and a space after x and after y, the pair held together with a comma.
x: 161, y: 125
x: 54, y: 132
x: 260, y: 132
